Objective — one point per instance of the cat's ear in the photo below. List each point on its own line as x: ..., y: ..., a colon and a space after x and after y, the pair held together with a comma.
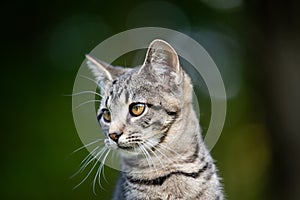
x: 161, y: 59
x: 103, y: 72
x: 99, y: 69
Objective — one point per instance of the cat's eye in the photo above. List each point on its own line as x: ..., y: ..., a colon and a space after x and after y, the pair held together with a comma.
x: 136, y: 109
x: 106, y: 115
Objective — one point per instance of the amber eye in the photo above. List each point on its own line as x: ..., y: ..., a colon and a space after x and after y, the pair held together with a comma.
x: 106, y: 115
x: 136, y: 109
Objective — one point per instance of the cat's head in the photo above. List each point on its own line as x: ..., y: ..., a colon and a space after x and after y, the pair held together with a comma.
x: 140, y: 105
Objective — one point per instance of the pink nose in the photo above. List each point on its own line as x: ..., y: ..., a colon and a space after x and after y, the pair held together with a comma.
x: 115, y: 136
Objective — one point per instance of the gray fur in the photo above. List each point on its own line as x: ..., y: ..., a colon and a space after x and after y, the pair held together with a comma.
x: 162, y: 151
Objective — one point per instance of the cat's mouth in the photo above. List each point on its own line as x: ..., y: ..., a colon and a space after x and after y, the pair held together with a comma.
x: 129, y: 146
x: 126, y: 147
x: 128, y: 151
x: 116, y: 145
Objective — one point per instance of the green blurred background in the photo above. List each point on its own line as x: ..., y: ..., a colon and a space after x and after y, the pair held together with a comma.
x: 254, y: 43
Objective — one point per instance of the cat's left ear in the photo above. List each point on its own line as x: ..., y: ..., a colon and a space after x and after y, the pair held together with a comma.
x: 162, y: 60
x: 103, y: 72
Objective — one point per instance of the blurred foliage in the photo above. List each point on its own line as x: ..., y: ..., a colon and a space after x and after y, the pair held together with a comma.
x: 43, y: 46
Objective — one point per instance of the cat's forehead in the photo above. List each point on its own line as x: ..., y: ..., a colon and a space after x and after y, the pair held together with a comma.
x: 128, y: 88
x: 120, y: 85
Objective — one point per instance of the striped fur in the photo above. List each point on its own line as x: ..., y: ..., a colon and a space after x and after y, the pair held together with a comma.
x: 162, y: 151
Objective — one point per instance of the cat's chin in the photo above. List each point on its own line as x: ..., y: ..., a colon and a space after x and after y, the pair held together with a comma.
x: 125, y: 151
x: 110, y: 144
x: 128, y: 153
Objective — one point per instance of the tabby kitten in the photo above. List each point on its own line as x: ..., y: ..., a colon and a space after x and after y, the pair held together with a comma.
x: 147, y: 115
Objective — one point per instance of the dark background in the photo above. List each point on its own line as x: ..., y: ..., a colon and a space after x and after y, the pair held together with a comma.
x: 254, y: 43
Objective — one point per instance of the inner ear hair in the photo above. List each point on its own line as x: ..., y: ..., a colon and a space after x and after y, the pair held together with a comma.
x: 98, y: 67
x: 161, y: 52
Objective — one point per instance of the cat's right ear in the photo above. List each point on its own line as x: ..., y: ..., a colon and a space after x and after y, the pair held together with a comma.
x: 103, y: 72
x: 99, y: 69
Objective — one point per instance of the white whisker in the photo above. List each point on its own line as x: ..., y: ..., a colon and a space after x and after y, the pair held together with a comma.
x: 149, y: 146
x: 103, y: 174
x: 145, y: 155
x: 89, y: 173
x: 172, y: 161
x: 84, y: 92
x: 84, y: 164
x: 87, y: 145
x: 88, y: 78
x: 90, y: 101
x: 102, y: 167
x: 95, y: 156
x: 84, y: 161
x: 163, y: 147
x: 98, y: 173
x: 149, y: 157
